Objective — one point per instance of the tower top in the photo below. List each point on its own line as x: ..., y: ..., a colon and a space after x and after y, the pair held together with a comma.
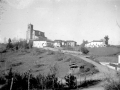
x: 30, y: 26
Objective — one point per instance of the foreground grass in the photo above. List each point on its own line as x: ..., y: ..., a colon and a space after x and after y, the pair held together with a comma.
x: 113, y: 85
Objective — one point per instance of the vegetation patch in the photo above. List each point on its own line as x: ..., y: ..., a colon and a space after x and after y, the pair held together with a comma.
x: 49, y: 52
x: 26, y: 81
x: 88, y: 83
x: 17, y: 64
x: 113, y: 85
x: 87, y: 70
x: 104, y: 51
x: 2, y: 80
x: 39, y: 65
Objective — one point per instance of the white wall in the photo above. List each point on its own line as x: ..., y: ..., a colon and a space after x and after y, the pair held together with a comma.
x: 56, y: 44
x: 39, y: 44
x: 95, y: 44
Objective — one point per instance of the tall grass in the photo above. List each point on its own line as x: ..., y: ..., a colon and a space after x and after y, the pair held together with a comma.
x: 112, y: 84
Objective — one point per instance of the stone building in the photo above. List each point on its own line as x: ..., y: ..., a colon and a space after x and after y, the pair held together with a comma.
x: 32, y: 34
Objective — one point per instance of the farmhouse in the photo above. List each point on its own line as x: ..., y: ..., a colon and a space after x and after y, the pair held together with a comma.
x: 59, y: 43
x: 71, y: 43
x: 96, y: 43
x: 62, y: 43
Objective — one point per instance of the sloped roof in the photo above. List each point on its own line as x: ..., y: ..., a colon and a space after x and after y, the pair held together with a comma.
x: 43, y: 39
x: 70, y: 41
x: 97, y: 41
x: 59, y: 41
x: 38, y: 31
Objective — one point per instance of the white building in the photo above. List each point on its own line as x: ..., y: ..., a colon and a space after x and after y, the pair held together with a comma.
x: 39, y: 44
x: 43, y: 43
x: 99, y: 43
x: 56, y: 44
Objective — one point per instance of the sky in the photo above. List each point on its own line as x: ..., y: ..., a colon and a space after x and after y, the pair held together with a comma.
x: 61, y: 19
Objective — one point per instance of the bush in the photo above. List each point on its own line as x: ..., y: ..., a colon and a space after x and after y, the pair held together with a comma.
x: 88, y: 83
x: 71, y: 81
x: 2, y: 80
x: 21, y: 82
x: 84, y: 50
x: 9, y: 46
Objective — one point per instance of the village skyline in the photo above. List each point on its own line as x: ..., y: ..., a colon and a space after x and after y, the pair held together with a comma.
x: 76, y: 20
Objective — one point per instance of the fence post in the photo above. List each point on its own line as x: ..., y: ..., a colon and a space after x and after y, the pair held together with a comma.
x: 11, y: 84
x: 29, y: 79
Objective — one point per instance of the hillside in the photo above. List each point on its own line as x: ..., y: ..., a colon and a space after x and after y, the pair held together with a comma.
x: 42, y: 61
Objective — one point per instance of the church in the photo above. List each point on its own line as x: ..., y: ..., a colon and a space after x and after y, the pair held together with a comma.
x: 32, y: 34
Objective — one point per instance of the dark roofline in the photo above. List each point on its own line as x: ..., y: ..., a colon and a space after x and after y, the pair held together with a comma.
x: 59, y: 40
x: 38, y: 31
x: 70, y: 41
x: 43, y: 40
x: 97, y: 41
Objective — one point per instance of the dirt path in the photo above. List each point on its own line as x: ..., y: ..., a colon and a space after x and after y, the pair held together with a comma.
x: 104, y: 72
x: 103, y: 69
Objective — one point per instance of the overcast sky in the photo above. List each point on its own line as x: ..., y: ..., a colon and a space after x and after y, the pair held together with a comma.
x: 62, y: 19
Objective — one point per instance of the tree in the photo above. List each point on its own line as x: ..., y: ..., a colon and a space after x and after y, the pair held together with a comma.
x: 9, y: 45
x: 71, y: 81
x: 83, y: 49
x: 106, y: 40
x: 83, y: 43
x: 9, y: 40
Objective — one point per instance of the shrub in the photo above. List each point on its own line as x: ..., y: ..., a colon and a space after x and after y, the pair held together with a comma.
x: 88, y: 83
x: 9, y: 46
x: 71, y: 81
x: 19, y: 81
x: 22, y: 81
x: 2, y: 80
x: 113, y: 85
x: 84, y: 50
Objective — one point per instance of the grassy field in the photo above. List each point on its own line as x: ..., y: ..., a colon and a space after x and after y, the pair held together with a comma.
x: 105, y: 54
x: 104, y: 51
x: 41, y: 61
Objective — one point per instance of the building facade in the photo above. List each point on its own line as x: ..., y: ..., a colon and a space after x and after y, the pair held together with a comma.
x: 62, y: 43
x: 41, y: 44
x: 71, y: 43
x: 96, y: 43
